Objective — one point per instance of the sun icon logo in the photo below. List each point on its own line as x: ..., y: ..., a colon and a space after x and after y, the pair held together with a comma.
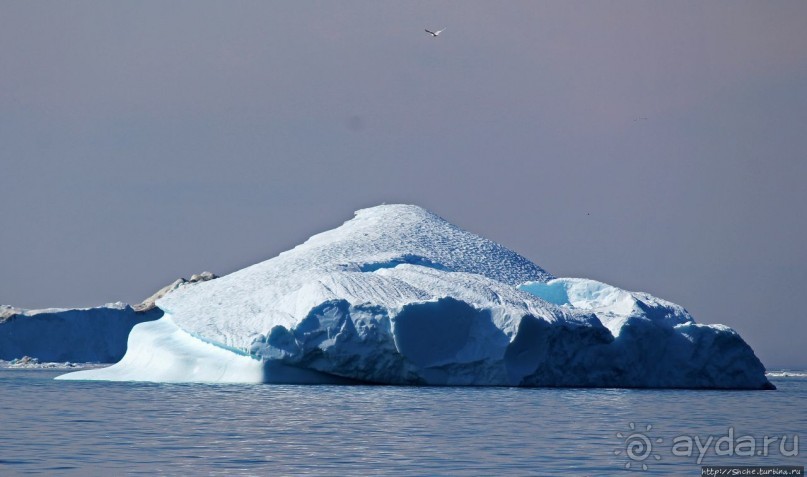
x: 638, y: 447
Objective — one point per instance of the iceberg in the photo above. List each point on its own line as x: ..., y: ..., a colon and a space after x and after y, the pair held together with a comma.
x: 70, y: 334
x: 81, y: 335
x: 397, y: 295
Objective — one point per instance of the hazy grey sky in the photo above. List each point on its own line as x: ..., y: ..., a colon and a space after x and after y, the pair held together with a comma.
x: 141, y: 141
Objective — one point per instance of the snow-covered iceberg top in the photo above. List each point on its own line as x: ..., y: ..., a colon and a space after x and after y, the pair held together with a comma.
x: 398, y: 295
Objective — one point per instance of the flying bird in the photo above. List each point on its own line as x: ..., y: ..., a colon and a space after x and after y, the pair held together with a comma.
x: 434, y: 33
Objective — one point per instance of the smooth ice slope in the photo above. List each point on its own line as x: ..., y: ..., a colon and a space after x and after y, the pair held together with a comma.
x: 398, y: 295
x: 157, y: 347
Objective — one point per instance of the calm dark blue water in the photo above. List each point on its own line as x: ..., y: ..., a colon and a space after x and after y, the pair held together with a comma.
x: 91, y: 428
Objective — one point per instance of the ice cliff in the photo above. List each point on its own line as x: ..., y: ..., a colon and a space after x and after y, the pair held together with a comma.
x: 97, y: 335
x: 398, y: 295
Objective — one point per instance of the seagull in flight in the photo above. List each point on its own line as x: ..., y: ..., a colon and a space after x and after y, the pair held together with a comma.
x: 434, y: 33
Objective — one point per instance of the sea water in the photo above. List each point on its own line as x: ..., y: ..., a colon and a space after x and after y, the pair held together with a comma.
x: 100, y: 428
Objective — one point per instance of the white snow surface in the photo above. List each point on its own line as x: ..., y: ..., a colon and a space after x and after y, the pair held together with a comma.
x: 398, y: 295
x: 612, y: 306
x: 363, y: 261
